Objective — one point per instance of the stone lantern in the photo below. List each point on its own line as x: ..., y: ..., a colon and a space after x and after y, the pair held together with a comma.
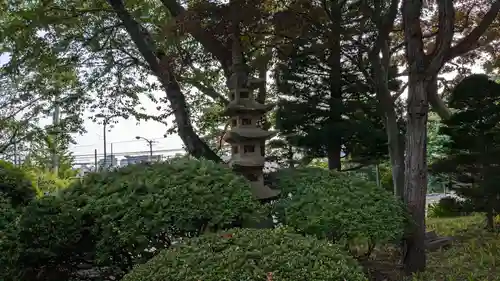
x: 245, y: 136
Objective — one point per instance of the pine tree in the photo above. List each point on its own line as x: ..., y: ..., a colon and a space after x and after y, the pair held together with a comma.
x: 473, y: 148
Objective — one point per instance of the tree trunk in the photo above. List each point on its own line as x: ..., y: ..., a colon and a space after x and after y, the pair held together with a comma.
x: 394, y: 137
x: 490, y: 219
x: 333, y: 155
x: 423, y: 70
x: 195, y: 146
x: 415, y: 187
x: 396, y: 152
x: 334, y: 138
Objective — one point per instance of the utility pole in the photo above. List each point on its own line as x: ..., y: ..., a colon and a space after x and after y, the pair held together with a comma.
x: 111, y: 156
x: 95, y: 159
x: 105, y: 123
x: 150, y: 151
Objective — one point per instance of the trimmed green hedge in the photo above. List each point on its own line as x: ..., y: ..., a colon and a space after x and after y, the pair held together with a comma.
x: 338, y: 206
x: 250, y: 254
x: 120, y: 218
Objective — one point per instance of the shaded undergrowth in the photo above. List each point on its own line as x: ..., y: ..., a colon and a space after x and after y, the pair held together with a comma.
x: 474, y: 255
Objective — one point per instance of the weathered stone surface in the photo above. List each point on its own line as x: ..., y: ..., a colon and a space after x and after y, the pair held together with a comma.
x: 245, y: 135
x: 438, y: 243
x: 431, y: 235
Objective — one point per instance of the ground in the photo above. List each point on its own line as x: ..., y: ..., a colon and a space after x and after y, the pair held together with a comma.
x: 474, y: 256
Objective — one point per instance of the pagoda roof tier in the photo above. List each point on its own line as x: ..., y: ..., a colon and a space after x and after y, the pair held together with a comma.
x: 248, y: 106
x: 242, y: 134
x: 261, y: 191
x: 247, y: 161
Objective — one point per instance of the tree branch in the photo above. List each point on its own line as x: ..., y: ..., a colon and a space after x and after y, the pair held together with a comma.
x: 161, y: 67
x: 402, y: 44
x: 471, y: 41
x: 444, y: 37
x: 207, y: 40
x: 208, y: 91
x: 447, y: 53
x: 385, y: 26
x: 400, y: 92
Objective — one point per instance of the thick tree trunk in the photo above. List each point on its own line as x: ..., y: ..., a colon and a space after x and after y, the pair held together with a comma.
x: 415, y: 187
x: 334, y: 150
x: 394, y: 137
x: 422, y: 69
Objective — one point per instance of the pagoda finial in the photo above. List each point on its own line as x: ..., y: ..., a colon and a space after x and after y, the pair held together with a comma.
x: 237, y: 55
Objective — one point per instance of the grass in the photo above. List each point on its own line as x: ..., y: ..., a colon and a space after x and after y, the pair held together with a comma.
x: 474, y: 255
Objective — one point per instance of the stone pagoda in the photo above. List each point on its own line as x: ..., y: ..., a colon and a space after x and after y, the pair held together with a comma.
x: 245, y: 135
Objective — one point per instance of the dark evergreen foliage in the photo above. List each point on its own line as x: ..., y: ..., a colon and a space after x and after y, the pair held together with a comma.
x: 317, y: 109
x: 473, y: 149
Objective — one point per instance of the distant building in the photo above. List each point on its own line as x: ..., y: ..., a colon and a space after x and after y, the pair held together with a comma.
x: 110, y: 161
x: 139, y: 159
x: 84, y: 169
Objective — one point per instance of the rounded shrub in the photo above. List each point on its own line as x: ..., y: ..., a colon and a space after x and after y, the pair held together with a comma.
x: 53, y: 239
x: 116, y: 219
x: 338, y: 207
x: 15, y: 184
x: 253, y: 255
x: 449, y: 207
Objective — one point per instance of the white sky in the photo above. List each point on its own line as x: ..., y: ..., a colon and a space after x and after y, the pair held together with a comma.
x: 122, y: 136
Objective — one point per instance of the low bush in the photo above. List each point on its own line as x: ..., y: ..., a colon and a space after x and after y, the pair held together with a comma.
x: 47, y: 182
x: 15, y: 184
x: 449, y: 207
x: 9, y: 216
x: 252, y: 255
x: 54, y: 237
x: 114, y: 220
x: 338, y: 207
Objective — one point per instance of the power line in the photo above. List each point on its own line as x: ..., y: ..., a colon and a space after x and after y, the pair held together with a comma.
x: 131, y: 152
x: 125, y: 141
